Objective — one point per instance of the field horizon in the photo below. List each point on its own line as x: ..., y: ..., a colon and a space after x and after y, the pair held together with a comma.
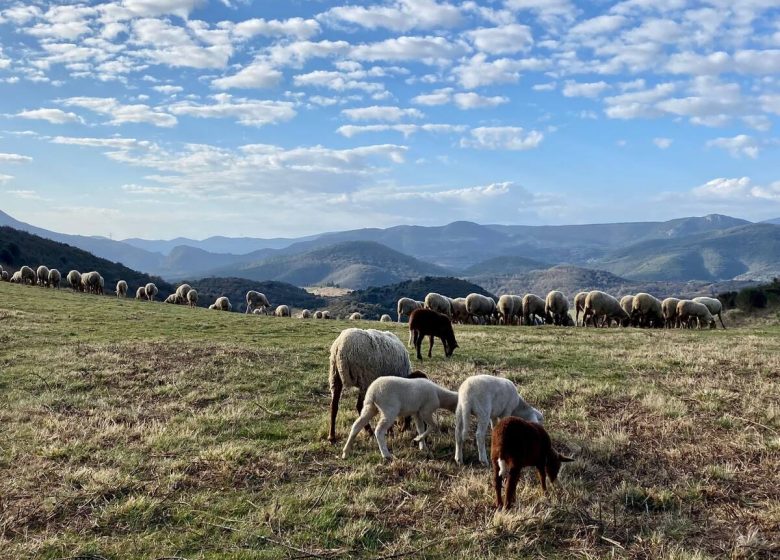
x: 135, y: 429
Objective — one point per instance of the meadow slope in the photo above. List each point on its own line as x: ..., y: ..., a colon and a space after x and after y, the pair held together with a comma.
x: 141, y: 430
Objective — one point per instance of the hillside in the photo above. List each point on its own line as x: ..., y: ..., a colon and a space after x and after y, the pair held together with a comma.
x: 742, y: 253
x: 503, y: 266
x: 209, y: 289
x: 355, y: 265
x: 184, y: 261
x: 18, y: 248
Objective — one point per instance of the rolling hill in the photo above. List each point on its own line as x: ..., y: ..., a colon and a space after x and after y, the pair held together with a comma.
x: 209, y: 289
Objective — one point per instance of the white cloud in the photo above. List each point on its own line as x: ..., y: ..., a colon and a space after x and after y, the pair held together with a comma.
x: 5, y: 178
x: 350, y: 130
x: 151, y: 8
x: 428, y: 50
x: 121, y: 114
x: 737, y: 190
x: 466, y: 195
x: 502, y: 138
x: 472, y: 100
x: 54, y: 116
x: 436, y: 97
x: 257, y: 75
x: 298, y: 52
x: 250, y: 112
x: 590, y: 89
x: 168, y: 89
x: 548, y: 11
x: 14, y: 158
x: 662, y: 143
x: 338, y: 81
x: 737, y: 146
x: 478, y: 71
x: 195, y: 46
x: 24, y: 194
x: 636, y: 104
x: 399, y: 15
x: 294, y: 27
x: 598, y: 25
x: 505, y: 39
x: 381, y: 113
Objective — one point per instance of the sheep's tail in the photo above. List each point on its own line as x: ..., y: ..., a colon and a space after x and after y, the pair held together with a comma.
x: 461, y: 419
x: 333, y: 373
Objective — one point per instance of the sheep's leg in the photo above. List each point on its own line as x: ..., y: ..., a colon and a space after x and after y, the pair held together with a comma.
x: 421, y: 431
x: 381, y: 436
x: 482, y: 429
x: 498, y: 482
x: 418, y: 338
x: 360, y: 423
x: 335, y: 395
x: 361, y: 397
x: 540, y: 469
x: 426, y: 416
x: 430, y: 348
x: 721, y: 321
x: 511, y: 485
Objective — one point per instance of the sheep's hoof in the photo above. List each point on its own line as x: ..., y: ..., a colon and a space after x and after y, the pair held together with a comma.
x: 344, y: 455
x: 332, y: 439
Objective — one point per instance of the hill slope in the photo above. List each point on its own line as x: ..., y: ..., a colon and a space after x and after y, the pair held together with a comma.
x: 235, y: 289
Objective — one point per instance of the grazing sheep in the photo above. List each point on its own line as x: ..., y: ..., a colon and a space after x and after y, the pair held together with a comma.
x: 516, y: 443
x: 714, y: 306
x: 506, y: 308
x: 318, y: 314
x: 460, y: 312
x: 173, y: 298
x: 222, y: 303
x: 121, y: 289
x: 689, y: 311
x: 140, y: 293
x: 74, y: 279
x: 488, y: 398
x: 385, y: 318
x: 557, y: 306
x: 212, y: 306
x: 16, y: 277
x: 4, y: 276
x: 357, y: 358
x: 255, y: 300
x: 181, y: 293
x: 28, y: 275
x: 579, y: 307
x: 481, y: 307
x: 55, y: 278
x: 669, y: 310
x: 282, y: 311
x: 426, y: 322
x: 647, y: 311
x: 438, y: 302
x: 90, y: 282
x: 600, y: 305
x: 355, y: 317
x: 406, y: 306
x: 192, y: 298
x: 326, y: 314
x: 533, y: 309
x: 395, y: 397
x: 627, y: 303
x: 42, y: 274
x: 305, y: 314
x: 101, y: 284
x: 151, y: 291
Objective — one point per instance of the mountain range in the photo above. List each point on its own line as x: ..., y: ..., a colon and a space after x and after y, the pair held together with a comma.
x: 713, y: 248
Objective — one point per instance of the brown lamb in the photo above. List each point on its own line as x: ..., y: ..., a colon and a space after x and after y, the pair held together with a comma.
x: 426, y: 322
x: 516, y: 443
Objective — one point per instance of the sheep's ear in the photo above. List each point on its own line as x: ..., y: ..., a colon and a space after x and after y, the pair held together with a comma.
x: 565, y: 459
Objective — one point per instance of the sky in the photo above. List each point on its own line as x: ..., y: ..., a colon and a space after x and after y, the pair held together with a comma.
x: 165, y: 118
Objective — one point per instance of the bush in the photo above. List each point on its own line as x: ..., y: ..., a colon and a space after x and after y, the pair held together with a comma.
x: 751, y: 298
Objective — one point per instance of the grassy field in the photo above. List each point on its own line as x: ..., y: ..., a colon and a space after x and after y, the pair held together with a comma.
x: 138, y: 430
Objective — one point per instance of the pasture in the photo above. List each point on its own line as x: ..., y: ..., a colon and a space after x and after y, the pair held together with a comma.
x: 142, y: 430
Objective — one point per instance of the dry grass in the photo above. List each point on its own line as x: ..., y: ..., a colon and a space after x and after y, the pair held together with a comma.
x: 132, y: 429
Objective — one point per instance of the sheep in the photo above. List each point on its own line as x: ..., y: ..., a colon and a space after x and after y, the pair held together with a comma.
x: 222, y: 303
x: 28, y: 275
x: 89, y: 282
x: 627, y: 303
x: 4, y: 276
x: 256, y: 299
x: 55, y: 278
x: 481, y: 307
x: 533, y: 308
x: 140, y: 293
x: 101, y: 284
x: 151, y: 291
x: 506, y: 308
x: 579, y: 307
x: 395, y: 397
x: 488, y: 398
x: 16, y: 277
x: 181, y: 293
x: 357, y: 358
x: 460, y: 312
x: 74, y: 279
x: 599, y: 305
x: 192, y: 298
x: 356, y: 317
x: 282, y: 311
x: 688, y: 311
x: 305, y: 314
x: 173, y: 298
x: 669, y: 311
x: 438, y: 302
x: 557, y: 306
x: 714, y: 306
x: 121, y: 289
x: 42, y: 274
x: 326, y: 314
x: 212, y: 306
x: 318, y: 314
x: 646, y: 310
x: 516, y: 443
x: 406, y: 306
x: 385, y: 318
x: 426, y: 322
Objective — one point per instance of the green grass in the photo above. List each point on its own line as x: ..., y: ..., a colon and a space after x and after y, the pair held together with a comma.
x: 138, y: 430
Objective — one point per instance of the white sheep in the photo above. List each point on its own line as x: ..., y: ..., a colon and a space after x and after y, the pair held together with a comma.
x: 439, y: 303
x: 579, y: 307
x: 394, y: 397
x: 181, y: 293
x: 318, y: 314
x: 42, y: 274
x: 140, y: 293
x: 326, y: 314
x: 28, y: 275
x: 192, y: 298
x: 489, y: 398
x: 222, y: 303
x: 689, y: 311
x: 627, y: 303
x: 557, y: 306
x: 55, y: 278
x: 506, y: 308
x: 74, y: 279
x: 173, y: 298
x: 305, y: 314
x: 481, y: 307
x: 356, y: 316
x: 357, y: 358
x: 533, y: 309
x: 460, y: 311
x: 646, y: 310
x: 669, y: 310
x: 282, y: 311
x: 121, y: 289
x: 601, y: 305
x: 16, y: 277
x: 385, y: 318
x: 714, y: 306
x: 406, y: 306
x: 4, y: 276
x: 255, y: 300
x: 151, y: 291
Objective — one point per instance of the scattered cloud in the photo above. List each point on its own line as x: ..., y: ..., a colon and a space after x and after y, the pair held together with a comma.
x: 54, y: 116
x: 14, y: 158
x: 662, y: 143
x: 737, y: 146
x: 381, y: 113
x: 502, y: 138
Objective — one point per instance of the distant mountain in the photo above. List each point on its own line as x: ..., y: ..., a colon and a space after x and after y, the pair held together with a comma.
x: 742, y: 253
x: 775, y: 221
x: 189, y: 262
x: 567, y: 279
x: 216, y: 244
x: 503, y: 266
x: 354, y: 264
x: 278, y: 293
x: 18, y: 248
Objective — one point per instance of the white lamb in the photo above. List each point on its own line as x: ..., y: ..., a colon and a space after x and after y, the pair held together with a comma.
x: 489, y: 398
x: 394, y: 397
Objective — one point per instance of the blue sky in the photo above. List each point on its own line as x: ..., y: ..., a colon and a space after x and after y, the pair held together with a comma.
x: 160, y: 118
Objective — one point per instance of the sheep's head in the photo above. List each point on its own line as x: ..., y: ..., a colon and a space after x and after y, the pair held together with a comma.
x: 554, y: 460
